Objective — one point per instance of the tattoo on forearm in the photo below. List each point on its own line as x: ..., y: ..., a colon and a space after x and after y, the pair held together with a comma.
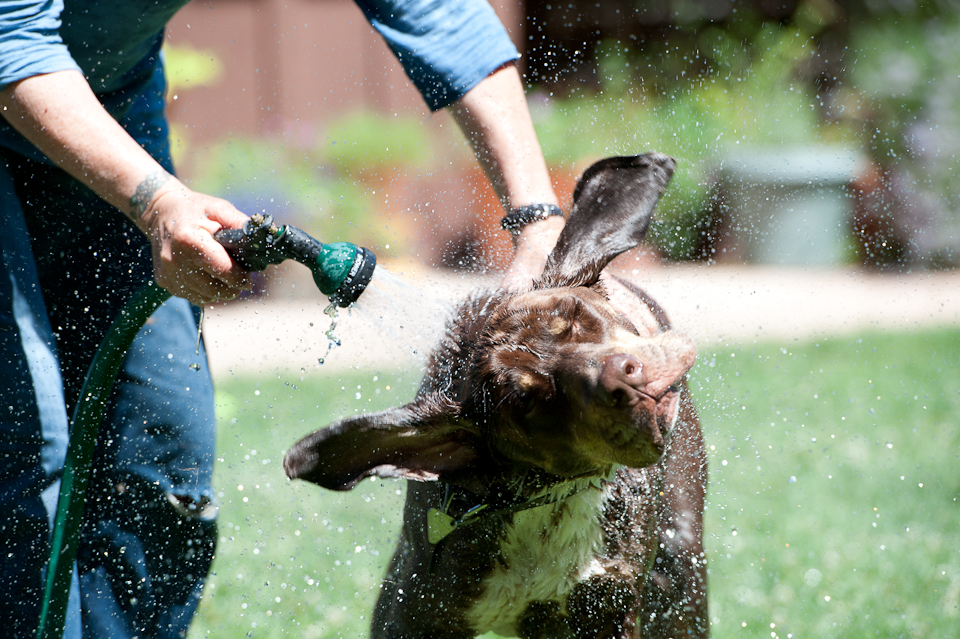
x: 145, y: 191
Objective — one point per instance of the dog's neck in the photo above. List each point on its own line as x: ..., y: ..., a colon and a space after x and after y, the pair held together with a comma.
x: 528, y: 489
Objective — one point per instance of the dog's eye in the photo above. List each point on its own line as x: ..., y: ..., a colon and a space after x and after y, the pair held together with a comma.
x: 529, y: 404
x: 520, y: 404
x: 528, y: 389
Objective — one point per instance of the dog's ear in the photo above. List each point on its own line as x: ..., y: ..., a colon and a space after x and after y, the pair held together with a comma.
x: 424, y: 441
x: 612, y: 206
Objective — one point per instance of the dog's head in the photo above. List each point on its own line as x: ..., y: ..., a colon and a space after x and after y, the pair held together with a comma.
x: 563, y: 377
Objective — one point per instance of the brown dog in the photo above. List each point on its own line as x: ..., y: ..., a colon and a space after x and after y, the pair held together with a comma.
x: 557, y: 465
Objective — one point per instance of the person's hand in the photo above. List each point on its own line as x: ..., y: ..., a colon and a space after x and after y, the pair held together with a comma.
x: 187, y: 260
x: 533, y: 245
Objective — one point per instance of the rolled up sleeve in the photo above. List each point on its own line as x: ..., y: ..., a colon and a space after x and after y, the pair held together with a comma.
x: 446, y: 47
x: 30, y: 41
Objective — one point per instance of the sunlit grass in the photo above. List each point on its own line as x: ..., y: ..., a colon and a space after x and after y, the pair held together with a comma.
x: 833, y: 503
x: 833, y: 508
x: 294, y: 560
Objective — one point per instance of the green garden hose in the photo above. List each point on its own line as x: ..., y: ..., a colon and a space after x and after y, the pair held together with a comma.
x: 340, y: 270
x: 87, y: 417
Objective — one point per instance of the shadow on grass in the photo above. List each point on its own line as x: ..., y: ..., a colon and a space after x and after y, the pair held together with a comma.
x: 832, y: 512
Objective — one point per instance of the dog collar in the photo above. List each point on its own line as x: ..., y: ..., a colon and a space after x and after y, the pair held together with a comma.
x: 441, y: 523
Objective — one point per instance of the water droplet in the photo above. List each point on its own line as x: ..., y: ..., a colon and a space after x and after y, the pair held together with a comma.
x: 195, y: 366
x: 332, y: 340
x: 199, y: 331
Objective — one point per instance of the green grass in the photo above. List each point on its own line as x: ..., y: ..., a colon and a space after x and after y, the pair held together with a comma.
x: 833, y: 508
x: 294, y: 560
x: 832, y: 511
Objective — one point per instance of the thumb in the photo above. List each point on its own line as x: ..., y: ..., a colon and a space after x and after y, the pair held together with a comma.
x: 225, y: 214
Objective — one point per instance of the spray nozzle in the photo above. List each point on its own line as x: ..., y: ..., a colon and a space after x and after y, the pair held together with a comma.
x: 340, y: 270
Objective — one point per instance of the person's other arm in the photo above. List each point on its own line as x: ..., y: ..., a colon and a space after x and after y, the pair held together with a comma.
x: 61, y: 116
x: 495, y: 118
x: 459, y: 56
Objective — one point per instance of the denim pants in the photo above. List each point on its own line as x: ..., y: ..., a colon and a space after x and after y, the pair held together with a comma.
x: 69, y: 263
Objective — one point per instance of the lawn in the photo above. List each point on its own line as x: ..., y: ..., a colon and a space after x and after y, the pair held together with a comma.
x: 832, y: 512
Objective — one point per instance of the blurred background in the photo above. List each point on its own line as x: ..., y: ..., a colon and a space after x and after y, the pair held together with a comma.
x: 808, y: 242
x: 811, y: 132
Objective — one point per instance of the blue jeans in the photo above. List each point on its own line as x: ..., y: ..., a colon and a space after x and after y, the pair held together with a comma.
x: 69, y: 263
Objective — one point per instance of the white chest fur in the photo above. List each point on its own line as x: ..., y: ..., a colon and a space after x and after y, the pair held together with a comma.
x: 546, y: 552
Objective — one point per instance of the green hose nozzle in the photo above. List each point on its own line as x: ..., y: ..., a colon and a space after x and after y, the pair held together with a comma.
x: 340, y: 270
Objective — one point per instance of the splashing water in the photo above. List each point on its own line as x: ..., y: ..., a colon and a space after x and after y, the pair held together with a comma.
x: 332, y: 340
x: 196, y: 365
x: 412, y: 313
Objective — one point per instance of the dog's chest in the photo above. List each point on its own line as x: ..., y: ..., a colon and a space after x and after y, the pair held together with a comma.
x: 544, y: 554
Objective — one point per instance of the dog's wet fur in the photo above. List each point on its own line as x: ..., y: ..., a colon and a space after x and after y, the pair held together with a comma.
x: 562, y: 411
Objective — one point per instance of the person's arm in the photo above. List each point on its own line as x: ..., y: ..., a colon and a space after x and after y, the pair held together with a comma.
x: 459, y: 56
x: 61, y: 116
x: 495, y: 118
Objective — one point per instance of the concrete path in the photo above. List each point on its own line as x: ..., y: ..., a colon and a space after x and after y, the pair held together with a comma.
x: 394, y: 327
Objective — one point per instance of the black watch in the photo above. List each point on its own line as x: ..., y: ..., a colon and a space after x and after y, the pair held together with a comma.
x: 519, y: 217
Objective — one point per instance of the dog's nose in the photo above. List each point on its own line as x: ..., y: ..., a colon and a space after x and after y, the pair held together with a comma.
x: 665, y: 161
x: 621, y: 373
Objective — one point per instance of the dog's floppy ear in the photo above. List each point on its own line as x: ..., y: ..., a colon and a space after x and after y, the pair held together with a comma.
x: 612, y: 206
x: 424, y: 441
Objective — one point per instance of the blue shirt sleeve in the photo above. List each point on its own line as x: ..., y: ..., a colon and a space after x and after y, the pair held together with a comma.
x: 30, y: 41
x: 446, y: 46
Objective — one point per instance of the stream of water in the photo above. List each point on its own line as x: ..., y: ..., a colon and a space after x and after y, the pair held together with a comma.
x: 406, y: 313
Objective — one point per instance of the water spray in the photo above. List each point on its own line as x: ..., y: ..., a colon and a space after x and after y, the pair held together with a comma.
x: 341, y: 270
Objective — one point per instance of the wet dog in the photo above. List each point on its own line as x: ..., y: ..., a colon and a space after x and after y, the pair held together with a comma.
x: 555, y: 462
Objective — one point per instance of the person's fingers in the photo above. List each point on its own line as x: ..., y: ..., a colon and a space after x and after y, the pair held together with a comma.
x: 220, y: 214
x: 218, y: 263
x: 188, y: 260
x: 193, y: 248
x: 194, y: 285
x: 224, y: 214
x: 210, y: 291
x: 200, y: 271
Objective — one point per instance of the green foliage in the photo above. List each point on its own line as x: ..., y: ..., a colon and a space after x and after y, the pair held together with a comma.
x: 701, y: 89
x: 188, y: 68
x: 832, y: 474
x: 902, y: 66
x: 694, y: 100
x: 367, y: 143
x: 291, y: 183
x: 907, y: 68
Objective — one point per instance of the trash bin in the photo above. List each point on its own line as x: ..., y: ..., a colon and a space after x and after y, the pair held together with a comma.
x: 791, y: 205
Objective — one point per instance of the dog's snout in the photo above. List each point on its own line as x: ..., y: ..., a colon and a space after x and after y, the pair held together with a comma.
x: 664, y: 161
x: 619, y: 371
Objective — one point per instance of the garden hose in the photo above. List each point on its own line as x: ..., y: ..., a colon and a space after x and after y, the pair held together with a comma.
x: 340, y: 270
x: 87, y: 417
